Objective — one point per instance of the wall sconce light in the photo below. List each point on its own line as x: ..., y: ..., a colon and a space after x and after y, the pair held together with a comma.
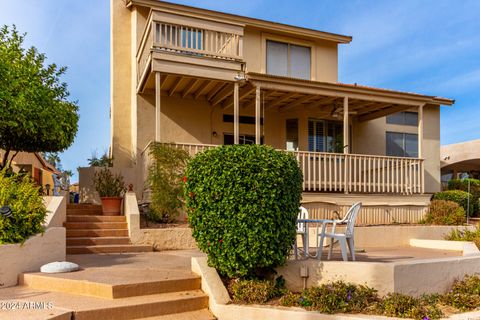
x: 6, y: 212
x: 214, y: 134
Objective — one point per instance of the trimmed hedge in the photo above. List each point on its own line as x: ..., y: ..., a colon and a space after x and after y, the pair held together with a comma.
x: 462, y: 184
x: 242, y: 203
x: 458, y: 196
x: 21, y: 194
x: 444, y: 212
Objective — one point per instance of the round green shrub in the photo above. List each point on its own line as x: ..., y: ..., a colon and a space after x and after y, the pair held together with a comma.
x: 458, y: 196
x: 443, y: 212
x: 462, y: 184
x: 242, y: 203
x: 28, y: 210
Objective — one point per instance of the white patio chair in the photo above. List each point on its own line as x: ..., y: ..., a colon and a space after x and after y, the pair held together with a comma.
x: 343, y: 238
x: 302, y: 231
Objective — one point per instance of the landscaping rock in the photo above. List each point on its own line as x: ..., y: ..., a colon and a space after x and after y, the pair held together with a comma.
x: 59, y: 267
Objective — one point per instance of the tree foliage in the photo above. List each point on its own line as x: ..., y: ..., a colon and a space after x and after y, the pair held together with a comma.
x: 35, y: 113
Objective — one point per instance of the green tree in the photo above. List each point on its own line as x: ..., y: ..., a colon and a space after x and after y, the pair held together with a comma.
x: 35, y: 113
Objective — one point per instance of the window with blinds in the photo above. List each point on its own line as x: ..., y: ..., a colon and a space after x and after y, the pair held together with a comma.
x: 325, y: 136
x: 288, y: 60
x: 402, y: 144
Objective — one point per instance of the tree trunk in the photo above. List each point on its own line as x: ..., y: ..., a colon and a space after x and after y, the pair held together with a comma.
x: 5, y: 159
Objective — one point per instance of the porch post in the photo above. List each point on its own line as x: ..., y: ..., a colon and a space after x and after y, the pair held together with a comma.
x: 157, y: 106
x: 346, y: 147
x: 420, y: 131
x: 420, y: 148
x: 346, y: 127
x: 236, y: 111
x: 257, y: 115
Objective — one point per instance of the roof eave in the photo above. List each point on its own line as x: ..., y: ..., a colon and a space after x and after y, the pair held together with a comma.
x: 253, y: 22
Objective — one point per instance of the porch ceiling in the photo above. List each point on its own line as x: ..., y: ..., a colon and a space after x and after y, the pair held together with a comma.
x: 286, y: 94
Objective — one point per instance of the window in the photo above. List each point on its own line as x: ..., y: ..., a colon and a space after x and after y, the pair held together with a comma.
x: 292, y: 134
x: 325, y: 136
x: 288, y: 60
x: 402, y: 144
x: 403, y: 118
x: 244, y: 139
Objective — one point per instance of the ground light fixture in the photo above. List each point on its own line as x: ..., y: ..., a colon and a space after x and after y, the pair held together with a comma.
x: 6, y: 212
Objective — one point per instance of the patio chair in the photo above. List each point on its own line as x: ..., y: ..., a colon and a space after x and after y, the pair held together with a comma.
x: 302, y: 231
x: 343, y: 238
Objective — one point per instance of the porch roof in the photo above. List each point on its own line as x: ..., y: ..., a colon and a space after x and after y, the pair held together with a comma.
x: 366, y: 103
x: 283, y: 93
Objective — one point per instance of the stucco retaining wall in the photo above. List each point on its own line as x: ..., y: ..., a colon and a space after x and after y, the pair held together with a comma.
x: 39, y: 249
x: 30, y: 256
x: 220, y: 303
x: 176, y: 238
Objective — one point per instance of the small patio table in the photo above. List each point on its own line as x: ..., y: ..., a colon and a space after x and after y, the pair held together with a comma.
x: 307, y: 240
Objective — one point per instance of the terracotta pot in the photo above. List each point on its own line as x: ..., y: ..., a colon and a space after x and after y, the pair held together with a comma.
x: 111, y: 206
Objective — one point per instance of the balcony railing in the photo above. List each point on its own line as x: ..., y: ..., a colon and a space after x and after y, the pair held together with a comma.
x: 187, y: 40
x: 351, y: 173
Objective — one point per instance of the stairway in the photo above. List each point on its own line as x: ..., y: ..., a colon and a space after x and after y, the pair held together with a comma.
x: 88, y: 231
x: 141, y: 286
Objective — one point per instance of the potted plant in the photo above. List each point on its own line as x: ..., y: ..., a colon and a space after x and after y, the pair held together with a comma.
x: 110, y: 188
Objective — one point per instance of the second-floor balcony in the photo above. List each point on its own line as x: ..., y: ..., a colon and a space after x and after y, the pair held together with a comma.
x: 188, y: 38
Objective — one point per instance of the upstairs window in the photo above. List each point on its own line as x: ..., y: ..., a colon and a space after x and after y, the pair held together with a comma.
x: 288, y: 60
x: 402, y: 144
x: 403, y: 118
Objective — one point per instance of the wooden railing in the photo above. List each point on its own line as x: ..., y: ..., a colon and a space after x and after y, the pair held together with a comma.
x: 350, y: 173
x: 188, y: 40
x: 203, y: 42
x: 355, y: 173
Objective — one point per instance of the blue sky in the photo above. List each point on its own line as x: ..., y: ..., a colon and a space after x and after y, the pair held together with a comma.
x: 427, y: 46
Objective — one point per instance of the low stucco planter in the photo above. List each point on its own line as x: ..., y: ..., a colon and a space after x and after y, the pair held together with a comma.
x: 31, y: 255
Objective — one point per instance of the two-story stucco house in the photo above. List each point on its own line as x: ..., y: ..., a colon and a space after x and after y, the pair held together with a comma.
x: 199, y: 78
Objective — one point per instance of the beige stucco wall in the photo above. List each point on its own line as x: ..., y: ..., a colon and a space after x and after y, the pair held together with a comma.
x: 370, y: 138
x: 120, y: 83
x: 324, y: 61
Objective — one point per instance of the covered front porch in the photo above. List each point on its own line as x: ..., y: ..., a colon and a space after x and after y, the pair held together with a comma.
x: 333, y: 130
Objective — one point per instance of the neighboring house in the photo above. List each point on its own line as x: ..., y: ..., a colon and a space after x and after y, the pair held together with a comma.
x: 37, y: 167
x: 459, y: 158
x: 199, y: 78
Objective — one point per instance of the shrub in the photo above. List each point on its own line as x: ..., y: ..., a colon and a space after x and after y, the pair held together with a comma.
x: 165, y: 178
x: 444, y: 212
x: 107, y: 184
x: 458, y: 196
x: 28, y: 210
x: 254, y: 291
x: 465, y: 294
x: 403, y: 306
x: 462, y: 184
x: 339, y: 297
x: 242, y: 203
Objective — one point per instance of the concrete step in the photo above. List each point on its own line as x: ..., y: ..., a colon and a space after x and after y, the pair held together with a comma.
x: 99, y: 218
x: 115, y: 283
x: 75, y: 233
x: 113, y: 248
x: 91, y: 308
x: 84, y: 212
x: 83, y: 206
x: 95, y: 241
x: 95, y: 225
x: 203, y: 314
